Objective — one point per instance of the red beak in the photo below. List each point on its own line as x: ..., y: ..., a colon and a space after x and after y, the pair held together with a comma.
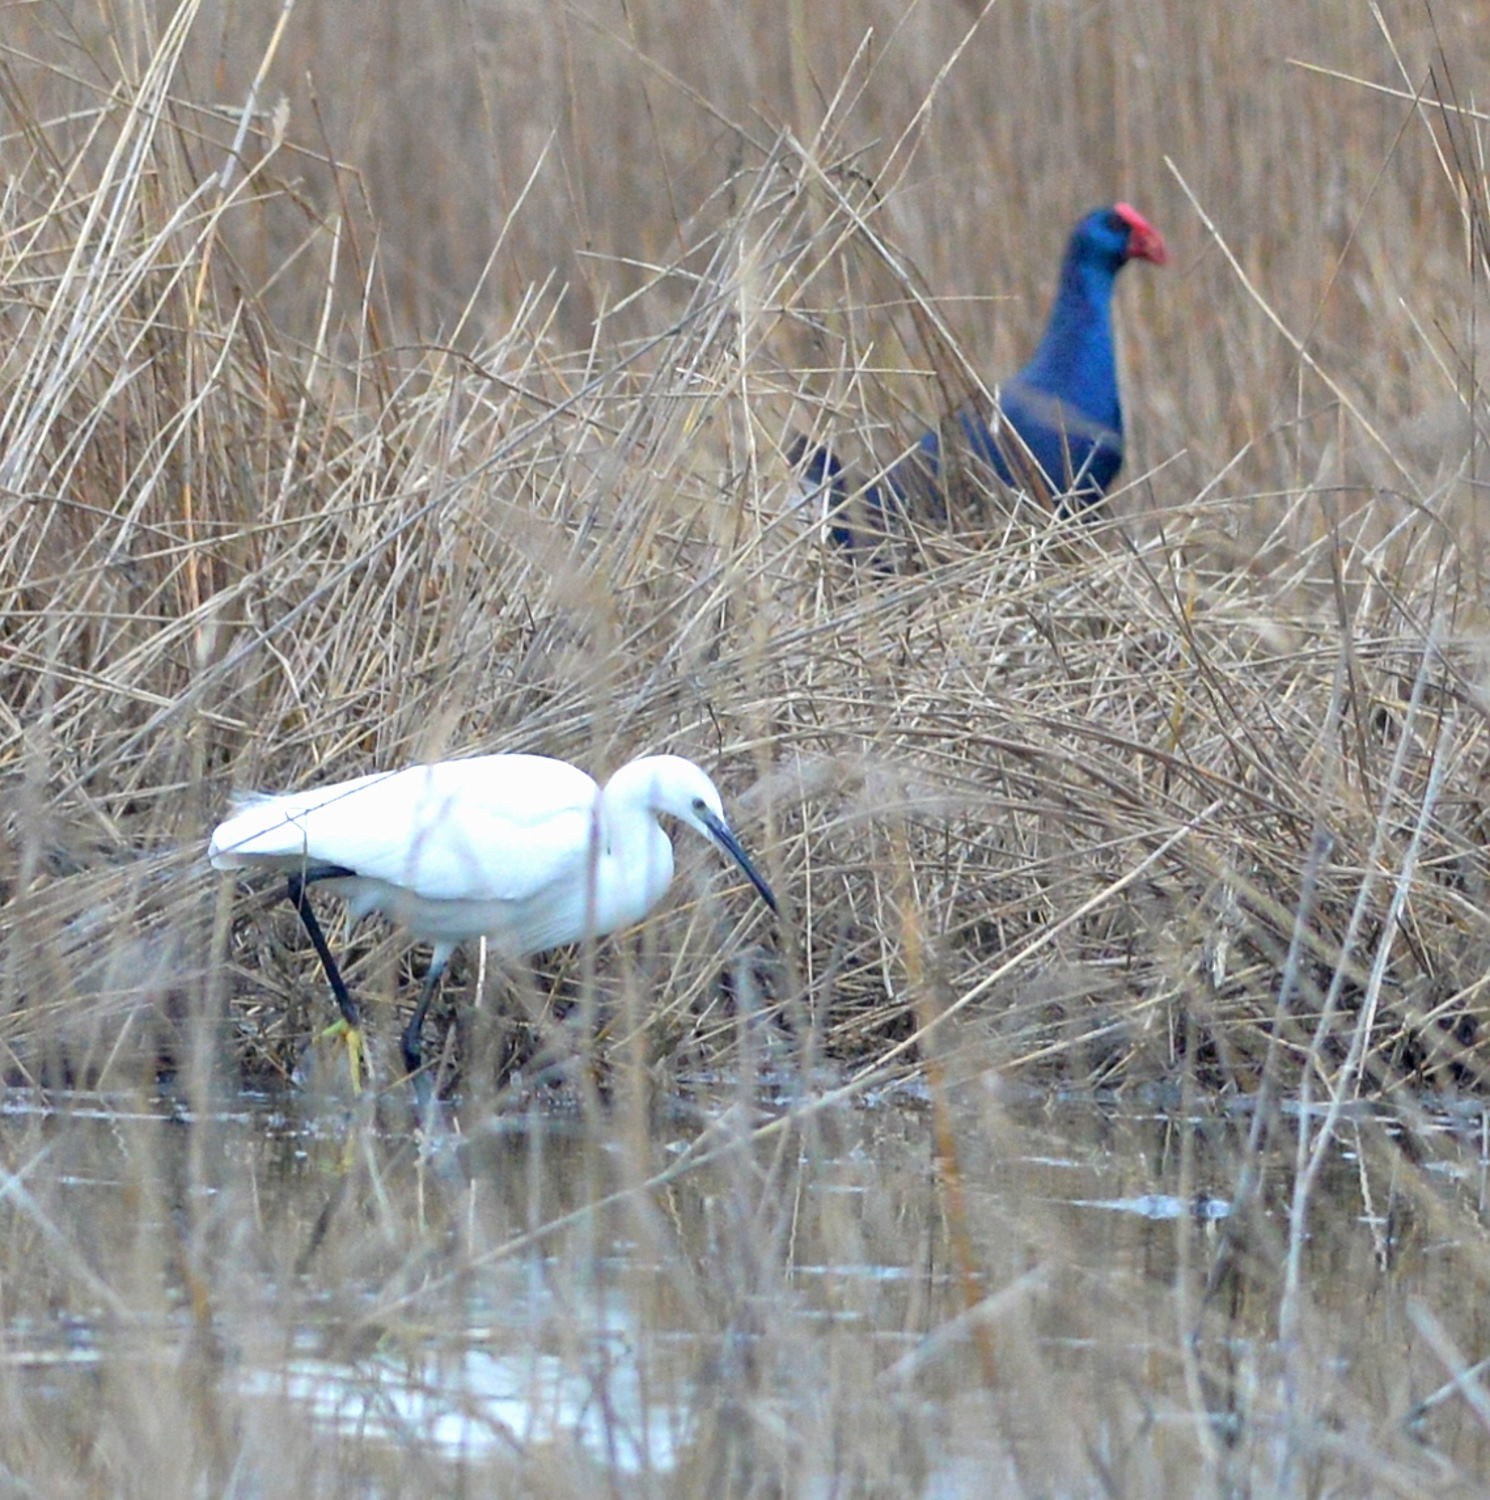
x: 1144, y: 241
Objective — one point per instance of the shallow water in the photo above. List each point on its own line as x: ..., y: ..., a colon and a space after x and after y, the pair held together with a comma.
x: 269, y: 1298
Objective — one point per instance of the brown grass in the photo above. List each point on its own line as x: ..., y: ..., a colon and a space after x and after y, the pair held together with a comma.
x: 1084, y: 768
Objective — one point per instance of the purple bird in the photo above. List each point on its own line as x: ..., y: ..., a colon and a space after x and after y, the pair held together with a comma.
x: 1059, y: 421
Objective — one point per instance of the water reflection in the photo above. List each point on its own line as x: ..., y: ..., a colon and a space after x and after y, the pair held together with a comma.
x: 676, y: 1298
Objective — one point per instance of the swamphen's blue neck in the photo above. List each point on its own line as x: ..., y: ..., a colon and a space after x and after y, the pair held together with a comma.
x: 1074, y: 361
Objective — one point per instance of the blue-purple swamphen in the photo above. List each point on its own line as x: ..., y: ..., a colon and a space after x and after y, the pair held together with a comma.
x: 1058, y: 425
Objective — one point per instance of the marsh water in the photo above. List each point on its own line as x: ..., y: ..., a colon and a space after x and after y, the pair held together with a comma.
x: 721, y: 1296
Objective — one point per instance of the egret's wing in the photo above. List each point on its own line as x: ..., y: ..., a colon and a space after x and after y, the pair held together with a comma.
x: 493, y: 828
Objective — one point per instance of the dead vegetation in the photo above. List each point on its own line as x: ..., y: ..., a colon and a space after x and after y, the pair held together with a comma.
x: 1060, y: 783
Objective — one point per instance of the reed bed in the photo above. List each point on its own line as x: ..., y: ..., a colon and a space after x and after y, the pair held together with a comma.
x: 1096, y: 792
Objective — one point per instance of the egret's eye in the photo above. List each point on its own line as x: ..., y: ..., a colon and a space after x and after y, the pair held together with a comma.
x: 699, y: 805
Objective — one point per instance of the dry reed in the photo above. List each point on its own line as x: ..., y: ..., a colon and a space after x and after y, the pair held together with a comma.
x: 1086, y: 764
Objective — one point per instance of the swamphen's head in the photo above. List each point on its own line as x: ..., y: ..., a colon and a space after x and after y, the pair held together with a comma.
x: 1113, y: 236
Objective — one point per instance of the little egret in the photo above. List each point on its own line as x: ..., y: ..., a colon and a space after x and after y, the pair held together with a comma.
x: 523, y: 850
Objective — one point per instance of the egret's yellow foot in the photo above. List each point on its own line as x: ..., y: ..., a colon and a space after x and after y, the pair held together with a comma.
x: 343, y: 1028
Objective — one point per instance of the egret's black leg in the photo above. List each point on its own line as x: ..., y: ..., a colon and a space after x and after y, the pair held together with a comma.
x: 298, y: 899
x: 350, y: 1025
x: 413, y: 1038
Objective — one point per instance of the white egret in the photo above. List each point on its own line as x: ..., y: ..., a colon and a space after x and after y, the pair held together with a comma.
x: 523, y: 850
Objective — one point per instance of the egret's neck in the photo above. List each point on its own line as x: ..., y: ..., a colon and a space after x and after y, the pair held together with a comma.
x: 634, y: 861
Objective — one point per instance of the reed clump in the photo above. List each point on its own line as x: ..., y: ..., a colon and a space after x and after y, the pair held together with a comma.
x: 1198, y: 782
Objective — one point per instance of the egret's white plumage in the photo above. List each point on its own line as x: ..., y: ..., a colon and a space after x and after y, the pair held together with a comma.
x: 523, y: 850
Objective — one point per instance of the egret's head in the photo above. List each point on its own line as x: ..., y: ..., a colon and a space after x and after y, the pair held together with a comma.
x: 680, y: 789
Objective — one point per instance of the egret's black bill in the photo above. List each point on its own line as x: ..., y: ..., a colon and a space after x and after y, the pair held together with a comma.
x: 731, y: 846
